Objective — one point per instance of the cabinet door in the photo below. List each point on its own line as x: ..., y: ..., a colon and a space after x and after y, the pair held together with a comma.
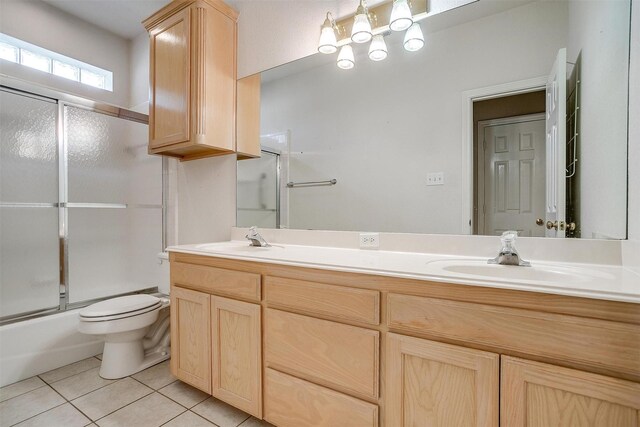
x: 191, y: 337
x: 170, y: 58
x: 435, y: 384
x: 539, y: 395
x: 237, y: 354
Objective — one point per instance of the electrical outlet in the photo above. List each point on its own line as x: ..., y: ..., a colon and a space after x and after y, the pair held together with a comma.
x: 369, y: 240
x: 435, y: 178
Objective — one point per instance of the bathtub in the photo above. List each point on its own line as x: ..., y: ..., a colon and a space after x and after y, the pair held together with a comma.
x: 38, y: 345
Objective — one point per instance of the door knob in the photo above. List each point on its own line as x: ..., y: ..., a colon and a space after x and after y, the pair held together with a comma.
x: 571, y: 226
x: 551, y: 225
x: 540, y: 222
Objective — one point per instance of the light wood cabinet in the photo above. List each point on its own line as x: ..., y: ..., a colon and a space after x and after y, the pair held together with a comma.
x: 191, y: 337
x: 440, y: 385
x: 192, y: 79
x: 540, y: 395
x: 324, y: 332
x: 248, y: 117
x: 237, y: 348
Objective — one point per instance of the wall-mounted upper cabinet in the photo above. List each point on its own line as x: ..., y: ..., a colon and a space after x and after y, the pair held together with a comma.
x: 192, y: 79
x: 248, y: 117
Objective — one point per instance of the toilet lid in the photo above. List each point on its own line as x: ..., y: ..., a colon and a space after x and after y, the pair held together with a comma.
x: 121, y: 305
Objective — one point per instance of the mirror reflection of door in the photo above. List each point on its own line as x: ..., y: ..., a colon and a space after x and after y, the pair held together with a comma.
x: 509, y: 164
x: 511, y: 175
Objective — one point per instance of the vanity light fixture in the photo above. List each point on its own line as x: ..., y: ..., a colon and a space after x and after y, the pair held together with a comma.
x: 378, y: 48
x: 401, y: 17
x: 328, y: 42
x: 413, y: 38
x: 361, y: 31
x: 346, y: 61
x: 364, y: 27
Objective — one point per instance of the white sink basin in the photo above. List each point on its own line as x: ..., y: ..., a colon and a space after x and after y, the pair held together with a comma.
x: 235, y: 247
x: 538, y: 272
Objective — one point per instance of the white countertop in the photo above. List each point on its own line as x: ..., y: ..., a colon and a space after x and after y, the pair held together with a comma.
x: 581, y: 280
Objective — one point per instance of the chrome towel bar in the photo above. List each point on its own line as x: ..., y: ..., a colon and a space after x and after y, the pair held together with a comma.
x: 312, y: 183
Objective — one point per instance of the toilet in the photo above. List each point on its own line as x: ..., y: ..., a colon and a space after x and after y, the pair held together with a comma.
x: 135, y: 329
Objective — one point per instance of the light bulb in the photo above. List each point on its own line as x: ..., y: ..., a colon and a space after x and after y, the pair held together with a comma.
x: 401, y: 17
x: 361, y: 31
x: 328, y: 42
x: 413, y: 38
x: 346, y: 61
x: 378, y: 48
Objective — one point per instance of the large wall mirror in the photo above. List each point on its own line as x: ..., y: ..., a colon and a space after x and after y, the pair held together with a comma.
x: 512, y: 116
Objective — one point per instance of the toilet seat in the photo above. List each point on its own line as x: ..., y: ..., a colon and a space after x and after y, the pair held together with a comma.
x: 120, y: 308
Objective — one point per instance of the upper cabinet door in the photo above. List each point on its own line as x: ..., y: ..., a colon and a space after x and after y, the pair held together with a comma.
x: 539, y: 395
x: 237, y: 354
x: 170, y: 64
x: 191, y: 337
x: 193, y: 79
x: 440, y: 385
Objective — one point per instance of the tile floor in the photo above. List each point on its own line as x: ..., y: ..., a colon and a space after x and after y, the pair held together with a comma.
x: 75, y: 396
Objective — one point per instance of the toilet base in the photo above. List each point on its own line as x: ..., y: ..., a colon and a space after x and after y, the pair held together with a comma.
x: 121, y: 359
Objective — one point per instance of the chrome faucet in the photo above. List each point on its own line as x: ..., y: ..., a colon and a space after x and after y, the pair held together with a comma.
x: 256, y: 239
x: 508, y: 255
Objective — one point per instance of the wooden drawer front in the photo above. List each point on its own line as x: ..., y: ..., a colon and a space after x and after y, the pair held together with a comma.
x: 358, y: 305
x: 597, y: 343
x: 292, y: 402
x: 325, y: 352
x: 214, y: 280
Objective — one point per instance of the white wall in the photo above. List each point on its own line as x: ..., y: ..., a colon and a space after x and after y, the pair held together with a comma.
x: 139, y: 72
x: 599, y: 31
x: 412, y: 125
x: 40, y: 24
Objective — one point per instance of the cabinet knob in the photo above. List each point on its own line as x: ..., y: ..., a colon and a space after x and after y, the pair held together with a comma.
x: 540, y: 222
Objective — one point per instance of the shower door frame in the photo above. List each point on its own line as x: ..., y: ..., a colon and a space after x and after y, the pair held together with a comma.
x: 62, y: 99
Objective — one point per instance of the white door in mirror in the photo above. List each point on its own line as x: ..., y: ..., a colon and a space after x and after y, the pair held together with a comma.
x: 556, y: 145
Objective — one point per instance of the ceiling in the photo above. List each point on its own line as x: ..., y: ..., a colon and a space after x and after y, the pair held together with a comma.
x: 124, y: 17
x: 121, y: 17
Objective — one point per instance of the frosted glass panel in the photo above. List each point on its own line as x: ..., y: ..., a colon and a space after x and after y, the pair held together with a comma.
x: 257, y: 192
x: 28, y: 150
x: 29, y: 262
x: 113, y: 251
x: 108, y: 160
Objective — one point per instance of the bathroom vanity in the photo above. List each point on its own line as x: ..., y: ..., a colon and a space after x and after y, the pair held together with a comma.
x: 385, y: 338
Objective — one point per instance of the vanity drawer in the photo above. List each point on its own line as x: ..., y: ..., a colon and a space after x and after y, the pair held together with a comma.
x: 321, y: 351
x: 588, y: 342
x: 231, y: 283
x: 358, y: 305
x: 292, y: 402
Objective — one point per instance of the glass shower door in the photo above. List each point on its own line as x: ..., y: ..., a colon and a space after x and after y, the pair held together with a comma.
x: 29, y: 223
x: 258, y: 196
x: 114, y: 206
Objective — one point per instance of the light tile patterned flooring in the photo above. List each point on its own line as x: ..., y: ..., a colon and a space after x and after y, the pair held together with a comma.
x: 75, y: 396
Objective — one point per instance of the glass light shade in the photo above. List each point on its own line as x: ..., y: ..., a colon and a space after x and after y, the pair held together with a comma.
x: 378, y: 48
x: 401, y: 17
x: 346, y: 61
x: 328, y: 42
x: 361, y: 32
x: 413, y: 38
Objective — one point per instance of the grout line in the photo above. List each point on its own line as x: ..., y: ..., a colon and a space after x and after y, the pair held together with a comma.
x: 168, y: 421
x: 77, y: 373
x: 22, y: 394
x: 39, y: 413
x: 115, y: 410
x: 128, y: 404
